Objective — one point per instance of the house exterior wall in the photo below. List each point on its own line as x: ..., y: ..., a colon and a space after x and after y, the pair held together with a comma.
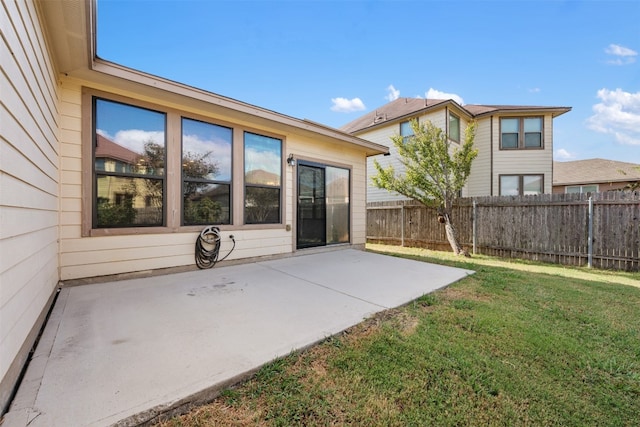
x: 479, y: 182
x: 382, y: 135
x: 523, y: 162
x: 85, y: 253
x: 29, y: 177
x: 486, y: 169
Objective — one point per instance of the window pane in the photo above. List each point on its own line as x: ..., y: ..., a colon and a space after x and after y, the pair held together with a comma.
x: 572, y: 189
x: 509, y: 125
x: 262, y: 205
x: 509, y: 140
x: 589, y: 188
x: 262, y: 159
x: 510, y: 185
x: 206, y: 203
x: 405, y: 129
x: 533, y: 124
x: 532, y: 184
x: 337, y: 193
x: 206, y: 151
x: 533, y: 140
x: 454, y: 127
x: 128, y: 202
x: 129, y: 139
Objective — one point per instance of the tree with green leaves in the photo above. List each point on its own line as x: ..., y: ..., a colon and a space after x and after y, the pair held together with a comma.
x: 435, y: 171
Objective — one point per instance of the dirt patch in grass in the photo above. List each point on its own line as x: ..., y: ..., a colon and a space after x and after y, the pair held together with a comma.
x: 460, y: 293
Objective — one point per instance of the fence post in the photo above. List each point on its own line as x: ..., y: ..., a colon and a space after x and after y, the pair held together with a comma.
x: 402, y: 225
x: 475, y: 204
x: 590, y: 247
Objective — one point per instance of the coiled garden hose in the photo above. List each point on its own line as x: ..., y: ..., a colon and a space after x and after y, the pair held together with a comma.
x: 208, y: 247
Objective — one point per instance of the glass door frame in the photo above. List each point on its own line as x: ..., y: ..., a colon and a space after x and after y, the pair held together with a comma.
x: 338, y: 210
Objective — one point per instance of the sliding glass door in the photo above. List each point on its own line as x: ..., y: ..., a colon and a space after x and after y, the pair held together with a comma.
x: 323, y: 205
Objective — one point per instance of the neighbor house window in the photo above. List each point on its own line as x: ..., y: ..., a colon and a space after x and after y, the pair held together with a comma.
x: 454, y: 127
x: 406, y: 131
x: 263, y: 179
x: 129, y: 157
x: 521, y: 185
x: 521, y: 132
x: 593, y: 188
x: 206, y: 173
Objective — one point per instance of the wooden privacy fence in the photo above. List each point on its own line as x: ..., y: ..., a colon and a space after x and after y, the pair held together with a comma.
x: 550, y: 227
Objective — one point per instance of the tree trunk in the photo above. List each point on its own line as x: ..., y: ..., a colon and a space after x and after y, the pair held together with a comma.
x: 452, y: 236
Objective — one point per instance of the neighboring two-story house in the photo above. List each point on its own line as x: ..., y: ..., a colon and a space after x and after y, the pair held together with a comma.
x: 515, y: 143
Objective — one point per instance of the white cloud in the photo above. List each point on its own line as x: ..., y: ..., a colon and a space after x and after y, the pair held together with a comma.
x: 562, y: 154
x: 220, y: 153
x: 134, y: 139
x: 535, y: 90
x: 344, y: 105
x: 436, y: 94
x: 617, y: 114
x: 393, y: 93
x: 623, y: 55
x: 262, y: 160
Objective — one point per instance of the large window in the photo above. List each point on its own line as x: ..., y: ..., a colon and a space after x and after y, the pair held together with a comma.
x: 263, y: 179
x: 129, y: 165
x: 156, y: 169
x: 206, y: 173
x: 454, y: 127
x: 521, y: 132
x: 521, y: 185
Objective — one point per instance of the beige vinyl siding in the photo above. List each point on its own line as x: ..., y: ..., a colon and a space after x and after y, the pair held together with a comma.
x: 84, y: 256
x: 479, y: 183
x: 29, y: 180
x: 382, y: 135
x: 352, y: 159
x: 524, y: 162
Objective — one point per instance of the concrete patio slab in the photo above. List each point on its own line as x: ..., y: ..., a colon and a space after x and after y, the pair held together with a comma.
x: 122, y: 352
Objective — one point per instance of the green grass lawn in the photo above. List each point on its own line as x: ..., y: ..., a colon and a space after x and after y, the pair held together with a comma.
x: 517, y: 343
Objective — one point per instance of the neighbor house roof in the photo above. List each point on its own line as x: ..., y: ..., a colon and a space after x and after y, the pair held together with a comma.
x: 594, y: 171
x: 105, y: 148
x: 405, y: 108
x: 71, y: 30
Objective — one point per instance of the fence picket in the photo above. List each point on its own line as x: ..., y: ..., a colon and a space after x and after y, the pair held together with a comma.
x: 549, y: 227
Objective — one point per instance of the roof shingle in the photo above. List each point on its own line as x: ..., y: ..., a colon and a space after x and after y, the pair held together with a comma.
x: 407, y: 107
x: 592, y: 171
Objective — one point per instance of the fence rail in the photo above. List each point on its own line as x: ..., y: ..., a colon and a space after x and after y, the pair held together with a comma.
x: 549, y: 227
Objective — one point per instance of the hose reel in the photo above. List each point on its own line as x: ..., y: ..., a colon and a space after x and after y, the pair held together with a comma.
x: 208, y: 247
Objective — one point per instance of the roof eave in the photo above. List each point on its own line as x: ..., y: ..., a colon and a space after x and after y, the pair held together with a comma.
x: 408, y: 116
x: 555, y: 111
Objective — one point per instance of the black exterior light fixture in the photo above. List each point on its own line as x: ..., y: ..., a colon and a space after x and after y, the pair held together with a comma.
x: 291, y: 161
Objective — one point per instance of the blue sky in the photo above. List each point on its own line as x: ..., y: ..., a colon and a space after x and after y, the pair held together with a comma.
x: 332, y: 61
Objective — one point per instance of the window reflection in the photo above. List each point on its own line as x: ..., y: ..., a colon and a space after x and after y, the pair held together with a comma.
x: 129, y: 162
x: 127, y: 202
x: 406, y: 131
x: 207, y: 203
x: 337, y: 191
x: 510, y: 131
x: 509, y: 185
x: 532, y: 184
x: 263, y: 171
x: 454, y: 127
x: 206, y: 173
